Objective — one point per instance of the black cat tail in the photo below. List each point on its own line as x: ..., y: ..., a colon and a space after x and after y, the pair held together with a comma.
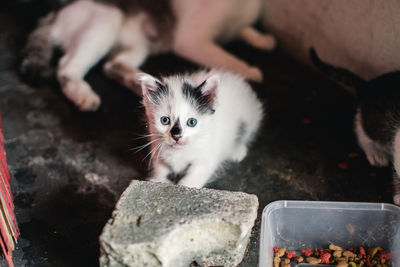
x: 340, y: 75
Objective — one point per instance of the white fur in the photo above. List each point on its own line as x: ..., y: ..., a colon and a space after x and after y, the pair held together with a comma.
x: 396, y: 164
x: 87, y: 31
x: 377, y: 155
x: 212, y: 140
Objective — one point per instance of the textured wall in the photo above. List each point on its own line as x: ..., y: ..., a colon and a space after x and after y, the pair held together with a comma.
x: 363, y: 36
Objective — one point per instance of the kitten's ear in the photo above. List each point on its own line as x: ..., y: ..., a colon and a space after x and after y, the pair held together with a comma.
x: 209, y: 88
x: 149, y: 83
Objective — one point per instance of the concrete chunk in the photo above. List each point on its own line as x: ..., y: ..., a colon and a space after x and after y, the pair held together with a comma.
x: 158, y: 224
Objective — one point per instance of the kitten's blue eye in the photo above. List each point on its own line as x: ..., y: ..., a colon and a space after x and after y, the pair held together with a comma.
x: 191, y: 122
x: 164, y: 120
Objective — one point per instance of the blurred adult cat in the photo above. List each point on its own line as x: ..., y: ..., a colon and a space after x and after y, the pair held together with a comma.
x: 129, y: 31
x: 377, y: 120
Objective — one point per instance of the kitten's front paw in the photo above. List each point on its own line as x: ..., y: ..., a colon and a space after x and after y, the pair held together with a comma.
x: 377, y: 158
x: 396, y: 199
x: 79, y: 92
x: 240, y: 153
x: 254, y: 74
x: 159, y: 180
x: 190, y: 183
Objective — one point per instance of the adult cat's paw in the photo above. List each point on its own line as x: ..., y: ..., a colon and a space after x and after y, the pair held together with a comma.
x: 377, y: 158
x: 266, y: 42
x: 396, y: 199
x: 254, y: 74
x: 79, y: 92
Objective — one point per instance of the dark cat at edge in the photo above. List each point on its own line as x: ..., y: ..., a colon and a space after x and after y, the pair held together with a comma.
x: 377, y: 120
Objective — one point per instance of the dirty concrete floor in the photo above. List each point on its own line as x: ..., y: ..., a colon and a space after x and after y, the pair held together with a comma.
x: 69, y: 168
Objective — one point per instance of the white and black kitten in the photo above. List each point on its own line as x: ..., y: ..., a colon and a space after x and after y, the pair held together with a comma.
x: 197, y: 121
x: 377, y: 121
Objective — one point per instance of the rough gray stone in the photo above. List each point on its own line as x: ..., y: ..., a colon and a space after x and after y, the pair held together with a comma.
x: 158, y: 224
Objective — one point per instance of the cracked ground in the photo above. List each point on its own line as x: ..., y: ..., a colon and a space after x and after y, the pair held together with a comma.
x: 69, y: 168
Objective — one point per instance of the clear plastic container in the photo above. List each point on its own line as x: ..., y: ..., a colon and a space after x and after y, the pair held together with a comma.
x: 296, y: 225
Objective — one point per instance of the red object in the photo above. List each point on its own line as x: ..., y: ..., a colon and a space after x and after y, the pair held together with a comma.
x: 325, y: 256
x: 290, y: 254
x: 362, y: 251
x: 384, y: 255
x: 9, y: 231
x: 305, y: 121
x: 307, y: 252
x: 343, y: 166
x: 276, y: 249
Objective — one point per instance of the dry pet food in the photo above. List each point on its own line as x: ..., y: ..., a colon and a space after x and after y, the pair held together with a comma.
x: 334, y: 255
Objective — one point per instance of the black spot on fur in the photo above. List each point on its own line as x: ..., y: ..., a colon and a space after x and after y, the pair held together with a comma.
x: 159, y: 94
x: 379, y: 102
x: 241, y: 131
x: 176, y: 177
x: 202, y: 102
x: 176, y: 129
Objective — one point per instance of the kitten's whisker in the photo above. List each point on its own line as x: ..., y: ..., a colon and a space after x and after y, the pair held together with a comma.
x: 151, y: 158
x: 152, y: 151
x: 155, y: 151
x: 141, y: 147
x: 146, y: 136
x: 159, y: 147
x: 159, y: 152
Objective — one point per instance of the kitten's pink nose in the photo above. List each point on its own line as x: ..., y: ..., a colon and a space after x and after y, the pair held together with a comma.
x: 176, y: 137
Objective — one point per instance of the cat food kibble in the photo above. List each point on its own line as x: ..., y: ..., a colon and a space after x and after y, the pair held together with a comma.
x: 285, y: 263
x: 334, y: 255
x: 300, y: 259
x: 334, y: 247
x: 313, y: 260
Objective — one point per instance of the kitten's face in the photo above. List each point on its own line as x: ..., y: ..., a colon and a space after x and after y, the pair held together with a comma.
x: 178, y: 122
x: 179, y: 113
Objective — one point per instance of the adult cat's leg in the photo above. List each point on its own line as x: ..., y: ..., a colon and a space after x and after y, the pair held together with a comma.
x: 207, y: 53
x: 194, y: 39
x: 87, y: 46
x: 396, y: 163
x: 376, y: 154
x: 123, y: 67
x: 257, y: 39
